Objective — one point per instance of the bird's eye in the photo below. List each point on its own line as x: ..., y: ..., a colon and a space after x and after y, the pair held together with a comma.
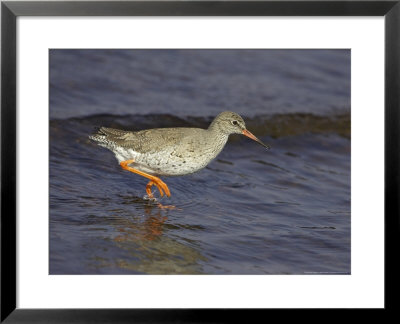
x: 234, y: 122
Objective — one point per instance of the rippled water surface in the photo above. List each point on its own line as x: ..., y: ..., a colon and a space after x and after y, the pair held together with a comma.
x: 250, y: 211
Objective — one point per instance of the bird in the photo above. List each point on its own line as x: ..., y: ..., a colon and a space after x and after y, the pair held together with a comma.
x: 177, y: 151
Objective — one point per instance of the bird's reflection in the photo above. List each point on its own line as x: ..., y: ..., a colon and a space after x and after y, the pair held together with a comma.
x: 149, y: 229
x: 143, y: 244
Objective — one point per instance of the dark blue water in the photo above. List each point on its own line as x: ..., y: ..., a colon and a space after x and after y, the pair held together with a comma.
x: 250, y: 211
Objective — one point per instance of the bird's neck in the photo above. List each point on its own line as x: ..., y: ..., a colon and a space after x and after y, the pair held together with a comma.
x: 219, y: 137
x: 216, y: 129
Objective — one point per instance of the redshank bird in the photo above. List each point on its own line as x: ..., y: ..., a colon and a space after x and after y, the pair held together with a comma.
x: 175, y: 151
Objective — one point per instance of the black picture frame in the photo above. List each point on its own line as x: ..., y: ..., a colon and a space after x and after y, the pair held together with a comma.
x: 11, y: 10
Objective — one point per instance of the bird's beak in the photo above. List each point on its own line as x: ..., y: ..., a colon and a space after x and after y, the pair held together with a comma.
x: 245, y: 132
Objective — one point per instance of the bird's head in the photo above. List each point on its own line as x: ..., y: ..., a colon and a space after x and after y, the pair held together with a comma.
x: 229, y: 122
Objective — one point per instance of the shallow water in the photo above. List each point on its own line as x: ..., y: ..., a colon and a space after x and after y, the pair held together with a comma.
x: 250, y: 211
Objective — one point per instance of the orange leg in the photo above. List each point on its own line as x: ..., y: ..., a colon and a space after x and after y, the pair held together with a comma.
x: 148, y: 189
x: 153, y: 180
x: 150, y: 195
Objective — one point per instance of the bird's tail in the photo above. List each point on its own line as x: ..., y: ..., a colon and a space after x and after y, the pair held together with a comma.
x: 105, y: 136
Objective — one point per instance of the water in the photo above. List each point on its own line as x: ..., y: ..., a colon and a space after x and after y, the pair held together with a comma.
x: 250, y: 211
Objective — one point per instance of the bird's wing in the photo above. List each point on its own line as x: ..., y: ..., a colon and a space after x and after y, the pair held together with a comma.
x: 145, y: 140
